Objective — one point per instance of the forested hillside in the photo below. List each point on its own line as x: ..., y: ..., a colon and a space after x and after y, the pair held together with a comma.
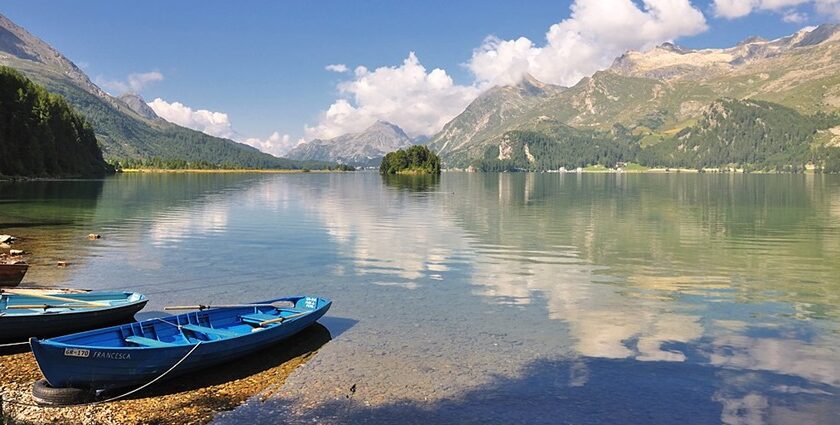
x: 742, y: 133
x: 41, y: 135
x: 783, y: 96
x: 554, y: 145
x: 122, y: 133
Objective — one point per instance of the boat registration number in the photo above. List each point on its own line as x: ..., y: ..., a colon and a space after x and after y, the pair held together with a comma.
x: 76, y: 352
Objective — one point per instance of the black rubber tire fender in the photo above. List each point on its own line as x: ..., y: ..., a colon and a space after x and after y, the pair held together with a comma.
x: 44, y: 394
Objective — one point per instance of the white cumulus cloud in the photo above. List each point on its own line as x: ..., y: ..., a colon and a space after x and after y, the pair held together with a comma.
x: 337, y: 67
x: 794, y: 17
x: 277, y: 144
x: 131, y: 84
x: 422, y: 101
x: 212, y: 123
x: 830, y: 8
x: 732, y: 9
x: 218, y: 124
x: 596, y: 32
x: 417, y: 100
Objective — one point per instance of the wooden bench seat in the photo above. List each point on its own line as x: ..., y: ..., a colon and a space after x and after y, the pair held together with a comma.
x: 148, y: 342
x: 257, y: 318
x: 210, y: 331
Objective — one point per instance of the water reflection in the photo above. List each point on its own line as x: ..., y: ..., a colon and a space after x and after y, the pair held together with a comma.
x: 587, y: 391
x: 583, y: 297
x: 412, y: 183
x: 705, y: 270
x: 47, y: 216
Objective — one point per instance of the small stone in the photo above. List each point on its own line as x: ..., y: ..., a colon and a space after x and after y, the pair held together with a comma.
x: 4, y: 245
x: 63, y: 264
x: 16, y: 252
x: 6, y: 238
x: 94, y: 236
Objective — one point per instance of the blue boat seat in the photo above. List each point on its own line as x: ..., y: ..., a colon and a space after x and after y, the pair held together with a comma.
x: 257, y: 318
x: 210, y: 331
x: 148, y: 342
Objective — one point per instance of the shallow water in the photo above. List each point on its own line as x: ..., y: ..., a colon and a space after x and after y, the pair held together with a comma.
x: 487, y: 298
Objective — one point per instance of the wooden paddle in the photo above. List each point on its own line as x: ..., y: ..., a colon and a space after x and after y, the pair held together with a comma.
x: 45, y: 306
x: 278, y: 304
x: 53, y: 297
x: 281, y: 319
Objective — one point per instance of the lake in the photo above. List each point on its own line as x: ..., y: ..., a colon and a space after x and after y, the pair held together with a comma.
x: 487, y: 298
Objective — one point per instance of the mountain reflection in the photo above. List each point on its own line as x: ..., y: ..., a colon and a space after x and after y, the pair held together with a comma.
x: 667, y: 268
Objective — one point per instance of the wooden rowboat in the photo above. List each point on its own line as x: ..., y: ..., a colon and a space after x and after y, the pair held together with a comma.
x: 12, y: 274
x: 138, y: 353
x: 26, y: 313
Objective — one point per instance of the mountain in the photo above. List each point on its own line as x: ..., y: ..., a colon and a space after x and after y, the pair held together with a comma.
x: 360, y: 149
x: 42, y: 136
x: 657, y: 94
x: 748, y: 133
x: 122, y: 132
x: 489, y: 115
x: 139, y: 106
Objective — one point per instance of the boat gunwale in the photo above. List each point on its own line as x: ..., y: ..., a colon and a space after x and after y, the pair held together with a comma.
x: 142, y: 300
x: 180, y: 345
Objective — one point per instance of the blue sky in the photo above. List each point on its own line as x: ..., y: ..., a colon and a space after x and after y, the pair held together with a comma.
x: 263, y: 62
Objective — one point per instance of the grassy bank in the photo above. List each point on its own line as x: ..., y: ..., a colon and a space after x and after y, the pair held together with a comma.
x: 223, y: 171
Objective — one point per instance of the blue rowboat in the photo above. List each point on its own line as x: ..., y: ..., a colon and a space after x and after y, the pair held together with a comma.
x: 140, y: 352
x: 37, y: 313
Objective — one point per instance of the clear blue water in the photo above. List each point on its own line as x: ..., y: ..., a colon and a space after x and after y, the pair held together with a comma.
x: 487, y: 298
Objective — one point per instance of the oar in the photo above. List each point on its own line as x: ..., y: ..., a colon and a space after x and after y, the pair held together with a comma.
x: 282, y: 319
x: 278, y: 304
x: 53, y: 297
x: 45, y: 306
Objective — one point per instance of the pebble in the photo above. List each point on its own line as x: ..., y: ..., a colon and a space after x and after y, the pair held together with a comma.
x: 94, y: 236
x: 16, y: 252
x: 194, y: 399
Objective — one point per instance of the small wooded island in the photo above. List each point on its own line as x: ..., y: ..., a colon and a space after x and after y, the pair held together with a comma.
x: 414, y: 160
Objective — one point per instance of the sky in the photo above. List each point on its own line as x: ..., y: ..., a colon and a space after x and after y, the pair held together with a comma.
x: 273, y: 74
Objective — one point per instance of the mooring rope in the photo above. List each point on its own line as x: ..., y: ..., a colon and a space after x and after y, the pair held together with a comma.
x: 93, y: 403
x: 14, y: 344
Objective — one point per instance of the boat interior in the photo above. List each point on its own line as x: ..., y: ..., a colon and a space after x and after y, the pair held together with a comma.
x: 22, y: 304
x: 189, y: 328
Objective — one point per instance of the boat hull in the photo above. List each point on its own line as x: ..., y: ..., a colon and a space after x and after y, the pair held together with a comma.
x: 92, y: 367
x: 12, y: 274
x: 21, y: 328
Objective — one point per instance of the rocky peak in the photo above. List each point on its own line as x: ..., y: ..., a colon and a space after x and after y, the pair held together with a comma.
x: 22, y: 45
x: 18, y: 44
x: 671, y: 47
x: 138, y: 105
x: 813, y: 36
x: 385, y: 128
x: 752, y: 40
x: 362, y: 148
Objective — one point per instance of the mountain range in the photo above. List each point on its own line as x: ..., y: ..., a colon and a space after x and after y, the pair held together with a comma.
x: 126, y: 128
x: 364, y: 149
x: 653, y: 97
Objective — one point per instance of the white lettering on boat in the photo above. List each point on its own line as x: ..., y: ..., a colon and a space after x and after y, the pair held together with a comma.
x: 76, y: 352
x: 110, y: 355
x: 310, y: 302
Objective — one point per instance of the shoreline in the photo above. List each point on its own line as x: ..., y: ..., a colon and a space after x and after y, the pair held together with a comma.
x: 224, y: 171
x: 195, y: 398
